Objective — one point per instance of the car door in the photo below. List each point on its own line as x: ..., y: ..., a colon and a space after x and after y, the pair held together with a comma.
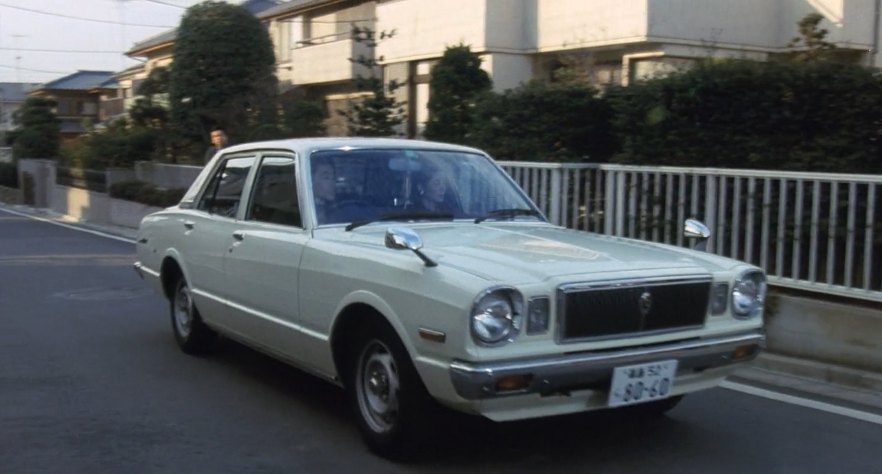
x: 262, y: 264
x: 207, y: 227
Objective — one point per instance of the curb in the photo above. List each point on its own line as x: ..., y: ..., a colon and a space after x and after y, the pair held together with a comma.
x: 845, y: 385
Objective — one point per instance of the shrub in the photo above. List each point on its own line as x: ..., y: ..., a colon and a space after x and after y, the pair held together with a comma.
x: 8, y: 175
x: 739, y: 114
x: 540, y: 122
x: 146, y: 193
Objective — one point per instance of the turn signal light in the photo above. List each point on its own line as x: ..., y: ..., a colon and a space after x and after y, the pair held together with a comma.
x: 744, y: 352
x: 511, y: 383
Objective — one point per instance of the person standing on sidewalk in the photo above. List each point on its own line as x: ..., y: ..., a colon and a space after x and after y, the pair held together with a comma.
x: 218, y: 142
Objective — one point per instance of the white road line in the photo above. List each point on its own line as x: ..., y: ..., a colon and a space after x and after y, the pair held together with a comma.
x: 69, y: 226
x: 803, y: 402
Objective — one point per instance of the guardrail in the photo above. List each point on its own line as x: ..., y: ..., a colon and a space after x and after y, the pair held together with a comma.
x: 811, y: 231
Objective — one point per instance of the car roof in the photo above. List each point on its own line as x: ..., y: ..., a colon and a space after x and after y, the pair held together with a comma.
x: 308, y: 145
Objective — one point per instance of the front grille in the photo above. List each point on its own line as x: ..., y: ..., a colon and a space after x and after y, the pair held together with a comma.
x: 602, y: 310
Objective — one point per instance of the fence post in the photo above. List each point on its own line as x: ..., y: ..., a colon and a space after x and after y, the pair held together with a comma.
x: 556, y: 193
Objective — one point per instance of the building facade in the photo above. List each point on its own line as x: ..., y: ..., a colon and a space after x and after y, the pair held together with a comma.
x: 78, y: 97
x: 606, y: 41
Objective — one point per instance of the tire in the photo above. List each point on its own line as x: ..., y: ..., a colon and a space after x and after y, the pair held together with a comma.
x: 191, y: 334
x: 390, y: 402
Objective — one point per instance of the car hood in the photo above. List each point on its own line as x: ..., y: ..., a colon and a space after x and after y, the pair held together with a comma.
x: 522, y: 253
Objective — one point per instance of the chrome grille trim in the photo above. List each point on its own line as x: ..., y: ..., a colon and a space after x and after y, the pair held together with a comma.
x: 567, y: 291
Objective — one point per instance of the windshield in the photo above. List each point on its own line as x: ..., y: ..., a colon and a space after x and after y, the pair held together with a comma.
x: 362, y: 186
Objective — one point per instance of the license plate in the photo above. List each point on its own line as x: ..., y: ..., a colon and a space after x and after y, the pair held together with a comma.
x: 642, y: 383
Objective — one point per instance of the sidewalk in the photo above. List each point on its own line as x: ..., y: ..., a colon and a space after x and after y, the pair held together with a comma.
x: 857, y: 389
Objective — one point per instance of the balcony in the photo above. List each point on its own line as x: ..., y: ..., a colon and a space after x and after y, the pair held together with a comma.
x: 326, y: 60
x: 112, y: 108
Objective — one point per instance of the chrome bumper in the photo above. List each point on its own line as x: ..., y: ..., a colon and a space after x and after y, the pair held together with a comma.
x: 587, y: 370
x: 138, y: 267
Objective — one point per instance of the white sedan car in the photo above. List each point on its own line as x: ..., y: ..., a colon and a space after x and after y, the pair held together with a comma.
x: 413, y: 272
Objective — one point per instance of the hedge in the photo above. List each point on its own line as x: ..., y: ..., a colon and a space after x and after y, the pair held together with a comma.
x: 146, y: 193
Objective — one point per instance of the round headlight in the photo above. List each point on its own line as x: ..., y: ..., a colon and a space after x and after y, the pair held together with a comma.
x: 497, y: 316
x: 748, y: 294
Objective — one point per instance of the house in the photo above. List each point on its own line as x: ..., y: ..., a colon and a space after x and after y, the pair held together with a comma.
x: 156, y: 52
x: 313, y: 45
x: 605, y: 41
x: 12, y: 96
x: 78, y: 96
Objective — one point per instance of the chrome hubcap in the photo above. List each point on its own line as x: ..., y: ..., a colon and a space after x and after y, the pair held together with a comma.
x: 377, y: 387
x: 183, y: 311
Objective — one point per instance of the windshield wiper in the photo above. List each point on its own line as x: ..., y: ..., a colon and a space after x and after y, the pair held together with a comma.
x: 402, y: 216
x: 507, y: 213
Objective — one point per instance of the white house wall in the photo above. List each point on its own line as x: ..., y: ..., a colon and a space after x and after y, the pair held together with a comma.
x: 758, y: 23
x: 424, y: 28
x: 573, y: 24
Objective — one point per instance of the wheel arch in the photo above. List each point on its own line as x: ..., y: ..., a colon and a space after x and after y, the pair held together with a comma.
x: 352, y: 321
x: 169, y: 272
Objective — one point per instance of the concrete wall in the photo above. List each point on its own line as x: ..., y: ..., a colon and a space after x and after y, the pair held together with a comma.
x: 165, y: 175
x: 837, y: 333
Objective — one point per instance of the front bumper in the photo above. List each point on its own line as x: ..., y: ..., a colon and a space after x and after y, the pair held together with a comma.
x: 593, y: 370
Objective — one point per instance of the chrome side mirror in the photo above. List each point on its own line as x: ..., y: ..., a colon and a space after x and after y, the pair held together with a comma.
x: 695, y: 229
x: 402, y: 238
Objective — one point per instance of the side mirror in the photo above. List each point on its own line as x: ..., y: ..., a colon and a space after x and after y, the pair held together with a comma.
x: 695, y: 229
x: 402, y: 238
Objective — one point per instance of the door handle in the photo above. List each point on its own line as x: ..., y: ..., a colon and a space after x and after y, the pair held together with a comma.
x: 238, y: 235
x: 189, y: 225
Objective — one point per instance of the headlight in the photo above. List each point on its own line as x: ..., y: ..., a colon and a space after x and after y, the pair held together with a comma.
x: 748, y: 294
x: 497, y: 316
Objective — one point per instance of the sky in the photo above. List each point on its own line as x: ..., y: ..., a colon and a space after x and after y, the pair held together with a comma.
x: 43, y: 40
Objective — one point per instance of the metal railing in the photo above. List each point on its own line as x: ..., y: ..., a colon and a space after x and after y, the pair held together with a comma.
x: 811, y: 231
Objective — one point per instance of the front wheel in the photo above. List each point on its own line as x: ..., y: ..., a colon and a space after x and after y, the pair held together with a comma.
x: 388, y: 398
x: 191, y: 334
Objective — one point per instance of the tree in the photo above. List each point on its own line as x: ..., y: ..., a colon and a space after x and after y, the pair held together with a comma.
x: 811, y: 43
x: 223, y: 73
x: 147, y: 111
x: 38, y: 129
x: 457, y: 82
x: 378, y: 113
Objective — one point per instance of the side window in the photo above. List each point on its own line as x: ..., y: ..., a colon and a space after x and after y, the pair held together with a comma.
x: 275, y: 193
x: 224, y: 191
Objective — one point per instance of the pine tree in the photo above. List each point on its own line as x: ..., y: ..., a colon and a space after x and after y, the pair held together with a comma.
x: 378, y: 114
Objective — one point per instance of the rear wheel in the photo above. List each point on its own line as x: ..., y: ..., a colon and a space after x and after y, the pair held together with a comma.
x: 191, y: 334
x: 387, y: 396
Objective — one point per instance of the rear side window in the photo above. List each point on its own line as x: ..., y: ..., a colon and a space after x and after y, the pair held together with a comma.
x: 275, y: 197
x: 224, y: 191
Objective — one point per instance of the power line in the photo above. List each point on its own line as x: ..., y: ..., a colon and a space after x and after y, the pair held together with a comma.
x: 61, y: 15
x: 33, y: 70
x: 158, y: 2
x: 37, y: 50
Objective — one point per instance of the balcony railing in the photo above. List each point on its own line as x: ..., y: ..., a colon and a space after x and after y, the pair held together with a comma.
x: 812, y: 231
x: 328, y: 61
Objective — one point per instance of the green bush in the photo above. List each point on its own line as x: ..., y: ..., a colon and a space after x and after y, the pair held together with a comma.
x: 146, y: 193
x: 740, y: 114
x: 8, y: 175
x: 539, y: 122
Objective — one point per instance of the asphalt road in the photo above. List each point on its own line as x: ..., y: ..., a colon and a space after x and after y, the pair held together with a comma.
x: 91, y: 381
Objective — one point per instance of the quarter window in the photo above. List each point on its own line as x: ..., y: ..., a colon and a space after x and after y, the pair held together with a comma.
x: 275, y: 193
